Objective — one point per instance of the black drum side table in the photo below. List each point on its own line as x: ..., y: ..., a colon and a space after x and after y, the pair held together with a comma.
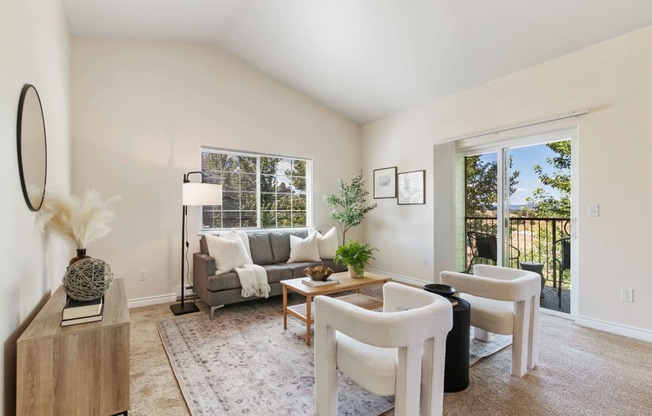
x: 456, y: 368
x: 536, y: 268
x: 456, y: 371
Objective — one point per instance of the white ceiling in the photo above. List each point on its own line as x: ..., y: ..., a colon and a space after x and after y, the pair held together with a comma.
x: 368, y: 59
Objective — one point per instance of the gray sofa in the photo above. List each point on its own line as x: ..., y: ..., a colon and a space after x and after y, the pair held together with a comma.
x: 269, y: 249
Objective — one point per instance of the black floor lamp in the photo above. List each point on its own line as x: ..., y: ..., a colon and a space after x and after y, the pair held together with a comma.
x: 194, y: 194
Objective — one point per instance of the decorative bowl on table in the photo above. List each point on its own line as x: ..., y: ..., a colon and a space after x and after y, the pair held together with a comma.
x: 442, y: 290
x: 318, y: 273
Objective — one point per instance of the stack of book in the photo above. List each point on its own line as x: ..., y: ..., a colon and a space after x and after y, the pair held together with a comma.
x: 80, y: 312
x: 330, y: 281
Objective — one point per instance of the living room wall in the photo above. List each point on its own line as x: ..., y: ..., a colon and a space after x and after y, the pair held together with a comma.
x: 142, y: 109
x: 35, y: 49
x: 612, y: 80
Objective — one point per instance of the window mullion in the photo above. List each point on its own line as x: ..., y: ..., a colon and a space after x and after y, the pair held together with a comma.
x: 291, y: 177
x: 276, y: 199
x: 258, y: 195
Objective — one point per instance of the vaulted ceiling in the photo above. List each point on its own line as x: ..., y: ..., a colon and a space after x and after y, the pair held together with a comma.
x: 368, y: 59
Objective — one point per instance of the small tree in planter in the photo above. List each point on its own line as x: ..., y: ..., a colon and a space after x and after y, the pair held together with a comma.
x: 355, y: 255
x: 349, y: 206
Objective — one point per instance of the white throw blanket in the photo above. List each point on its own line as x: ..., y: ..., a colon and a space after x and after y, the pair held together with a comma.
x: 253, y: 279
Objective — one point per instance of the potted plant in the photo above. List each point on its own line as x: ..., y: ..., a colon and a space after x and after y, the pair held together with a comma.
x: 349, y: 206
x: 355, y: 255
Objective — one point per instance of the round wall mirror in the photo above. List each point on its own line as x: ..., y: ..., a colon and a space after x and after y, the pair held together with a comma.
x: 32, y: 147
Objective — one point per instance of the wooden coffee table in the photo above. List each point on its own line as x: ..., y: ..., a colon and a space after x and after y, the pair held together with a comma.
x: 304, y: 311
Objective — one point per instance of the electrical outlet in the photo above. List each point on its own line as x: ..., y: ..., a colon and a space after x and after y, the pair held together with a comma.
x: 594, y: 210
x: 143, y: 275
x: 424, y: 262
x: 627, y: 294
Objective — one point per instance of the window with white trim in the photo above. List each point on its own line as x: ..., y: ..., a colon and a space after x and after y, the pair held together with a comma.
x: 258, y: 190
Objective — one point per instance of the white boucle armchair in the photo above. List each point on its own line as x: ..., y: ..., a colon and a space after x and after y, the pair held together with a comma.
x: 503, y: 301
x: 399, y: 351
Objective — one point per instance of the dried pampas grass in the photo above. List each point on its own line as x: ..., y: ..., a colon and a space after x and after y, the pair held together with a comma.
x: 79, y: 221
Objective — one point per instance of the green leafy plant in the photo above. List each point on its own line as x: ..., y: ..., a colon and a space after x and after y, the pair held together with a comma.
x: 546, y: 204
x: 481, y: 185
x: 355, y: 255
x: 349, y: 206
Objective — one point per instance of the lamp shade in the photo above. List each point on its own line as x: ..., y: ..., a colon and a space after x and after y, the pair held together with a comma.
x: 202, y: 194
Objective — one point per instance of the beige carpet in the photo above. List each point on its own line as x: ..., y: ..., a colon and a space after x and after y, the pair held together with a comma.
x: 581, y: 372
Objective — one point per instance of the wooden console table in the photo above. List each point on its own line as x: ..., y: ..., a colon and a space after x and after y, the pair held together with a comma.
x: 80, y: 369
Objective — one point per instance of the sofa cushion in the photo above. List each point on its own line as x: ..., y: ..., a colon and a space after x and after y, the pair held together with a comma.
x: 280, y: 241
x: 280, y: 246
x: 223, y: 281
x: 277, y: 272
x: 261, y: 248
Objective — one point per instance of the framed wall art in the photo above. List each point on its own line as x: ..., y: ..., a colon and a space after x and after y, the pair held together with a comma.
x: 385, y: 183
x: 412, y: 187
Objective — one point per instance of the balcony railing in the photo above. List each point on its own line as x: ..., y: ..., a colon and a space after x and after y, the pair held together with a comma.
x: 537, y: 240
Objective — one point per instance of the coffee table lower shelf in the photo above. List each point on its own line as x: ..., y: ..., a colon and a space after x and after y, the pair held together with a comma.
x: 305, y: 312
x: 358, y: 299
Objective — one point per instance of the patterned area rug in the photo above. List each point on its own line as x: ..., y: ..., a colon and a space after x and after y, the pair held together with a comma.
x: 480, y: 349
x: 243, y: 362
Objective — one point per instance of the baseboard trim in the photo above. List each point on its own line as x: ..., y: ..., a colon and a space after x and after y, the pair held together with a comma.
x: 614, y: 328
x: 558, y: 314
x: 400, y: 278
x: 152, y: 300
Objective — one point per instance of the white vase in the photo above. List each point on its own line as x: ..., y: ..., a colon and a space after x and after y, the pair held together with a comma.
x: 355, y: 275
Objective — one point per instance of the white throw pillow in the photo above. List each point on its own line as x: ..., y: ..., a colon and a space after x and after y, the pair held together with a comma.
x: 228, y: 253
x: 245, y: 241
x: 242, y: 235
x: 327, y: 244
x: 303, y: 249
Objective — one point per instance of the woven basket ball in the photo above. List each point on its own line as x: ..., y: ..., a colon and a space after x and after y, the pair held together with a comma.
x: 87, y: 279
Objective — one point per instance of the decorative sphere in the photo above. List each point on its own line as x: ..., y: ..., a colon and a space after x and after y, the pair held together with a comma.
x: 87, y: 279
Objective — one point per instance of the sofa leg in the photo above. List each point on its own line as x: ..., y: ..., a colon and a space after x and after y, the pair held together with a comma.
x: 214, y: 308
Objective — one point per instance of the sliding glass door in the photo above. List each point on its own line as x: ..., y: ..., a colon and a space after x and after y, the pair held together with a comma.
x: 517, y: 210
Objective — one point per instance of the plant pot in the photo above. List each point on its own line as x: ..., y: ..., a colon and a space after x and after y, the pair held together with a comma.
x: 354, y: 274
